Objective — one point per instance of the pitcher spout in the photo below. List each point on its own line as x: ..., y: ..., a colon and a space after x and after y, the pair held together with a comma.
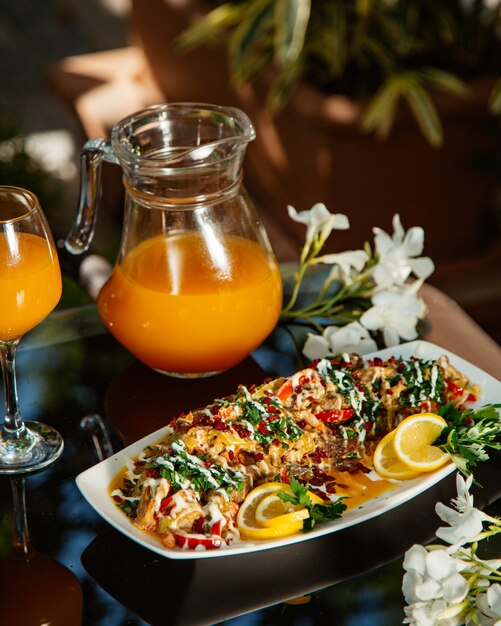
x: 182, y: 151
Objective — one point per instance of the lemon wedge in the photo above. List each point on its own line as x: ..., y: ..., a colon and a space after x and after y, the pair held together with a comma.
x: 249, y: 526
x: 263, y: 515
x: 413, y: 442
x: 387, y: 464
x: 272, y: 511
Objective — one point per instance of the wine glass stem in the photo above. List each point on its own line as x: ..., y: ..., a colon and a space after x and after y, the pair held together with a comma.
x: 21, y: 544
x: 13, y: 424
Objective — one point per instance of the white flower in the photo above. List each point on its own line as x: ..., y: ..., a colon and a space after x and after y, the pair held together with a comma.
x: 465, y: 522
x: 396, y: 314
x: 489, y: 606
x: 343, y: 263
x: 397, y: 255
x: 430, y: 614
x: 318, y: 220
x: 336, y: 340
x: 433, y: 587
x: 433, y: 576
x: 446, y: 588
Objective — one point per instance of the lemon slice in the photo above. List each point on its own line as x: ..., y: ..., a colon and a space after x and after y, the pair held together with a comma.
x: 386, y: 462
x: 413, y: 442
x: 272, y: 511
x: 246, y: 519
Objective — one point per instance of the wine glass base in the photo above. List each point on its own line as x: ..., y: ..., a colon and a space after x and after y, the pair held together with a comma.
x: 41, y: 446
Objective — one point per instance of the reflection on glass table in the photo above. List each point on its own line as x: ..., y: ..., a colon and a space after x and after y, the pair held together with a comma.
x: 70, y: 369
x: 35, y: 589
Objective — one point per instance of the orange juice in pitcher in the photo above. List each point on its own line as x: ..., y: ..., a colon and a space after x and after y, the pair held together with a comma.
x: 192, y: 317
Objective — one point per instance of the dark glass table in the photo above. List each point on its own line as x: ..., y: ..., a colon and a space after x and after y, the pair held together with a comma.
x: 76, y: 377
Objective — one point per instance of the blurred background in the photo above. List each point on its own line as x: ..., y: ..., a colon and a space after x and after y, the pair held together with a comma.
x: 72, y: 69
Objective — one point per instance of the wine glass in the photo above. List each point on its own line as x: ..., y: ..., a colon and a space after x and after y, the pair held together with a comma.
x: 30, y: 287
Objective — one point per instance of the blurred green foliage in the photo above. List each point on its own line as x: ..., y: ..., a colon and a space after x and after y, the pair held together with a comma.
x: 19, y: 169
x: 380, y: 51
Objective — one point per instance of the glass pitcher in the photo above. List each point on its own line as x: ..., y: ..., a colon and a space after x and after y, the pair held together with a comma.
x: 196, y: 286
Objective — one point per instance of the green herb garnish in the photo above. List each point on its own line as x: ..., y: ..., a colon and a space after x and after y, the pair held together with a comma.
x: 129, y: 506
x: 184, y: 470
x: 318, y: 512
x: 469, y: 434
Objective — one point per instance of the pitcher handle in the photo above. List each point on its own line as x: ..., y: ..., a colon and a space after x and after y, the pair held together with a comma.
x: 94, y: 152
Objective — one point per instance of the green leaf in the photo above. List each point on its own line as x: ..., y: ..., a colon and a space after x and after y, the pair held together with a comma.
x: 444, y: 81
x: 495, y: 99
x: 249, y: 40
x: 207, y: 29
x: 331, y: 42
x: 291, y: 21
x: 283, y: 86
x: 318, y: 512
x: 425, y: 112
x: 379, y: 116
x: 469, y: 434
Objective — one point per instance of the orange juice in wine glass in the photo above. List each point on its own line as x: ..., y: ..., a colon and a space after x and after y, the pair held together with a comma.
x: 30, y: 287
x: 30, y: 283
x: 179, y: 310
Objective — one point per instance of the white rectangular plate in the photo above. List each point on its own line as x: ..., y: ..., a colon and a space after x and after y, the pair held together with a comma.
x: 95, y: 482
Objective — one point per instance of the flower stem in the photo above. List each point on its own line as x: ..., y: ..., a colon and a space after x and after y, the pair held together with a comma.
x: 297, y: 284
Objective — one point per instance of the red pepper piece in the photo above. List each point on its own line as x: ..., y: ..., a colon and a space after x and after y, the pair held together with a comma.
x: 263, y: 427
x: 458, y: 391
x: 198, y: 524
x: 285, y: 390
x: 192, y: 541
x: 336, y: 416
x: 165, y: 504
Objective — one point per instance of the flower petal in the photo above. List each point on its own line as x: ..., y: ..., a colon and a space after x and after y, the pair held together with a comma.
x: 350, y: 338
x: 406, y: 328
x: 413, y: 242
x: 440, y: 565
x: 341, y: 222
x: 382, y: 241
x: 372, y: 319
x: 397, y: 255
x: 316, y: 347
x: 464, y: 531
x: 391, y: 337
x: 429, y: 589
x: 455, y: 589
x: 415, y: 559
x: 410, y: 581
x: 494, y: 599
x: 422, y: 267
x: 398, y: 230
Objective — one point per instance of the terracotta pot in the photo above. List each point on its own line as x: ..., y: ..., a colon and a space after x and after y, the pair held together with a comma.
x: 313, y: 151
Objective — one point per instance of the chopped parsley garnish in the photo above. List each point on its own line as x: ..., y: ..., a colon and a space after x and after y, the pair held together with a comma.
x: 469, y: 433
x: 423, y: 381
x: 187, y: 471
x: 318, y: 512
x: 266, y: 419
x: 357, y: 394
x: 129, y: 506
